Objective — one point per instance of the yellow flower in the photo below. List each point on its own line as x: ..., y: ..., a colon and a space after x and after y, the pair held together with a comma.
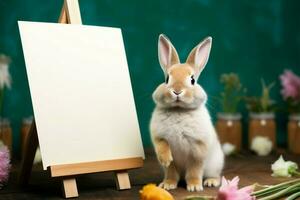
x: 152, y: 192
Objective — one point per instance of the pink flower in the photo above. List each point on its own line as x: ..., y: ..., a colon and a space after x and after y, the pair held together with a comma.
x: 290, y: 85
x: 4, y: 164
x: 229, y: 190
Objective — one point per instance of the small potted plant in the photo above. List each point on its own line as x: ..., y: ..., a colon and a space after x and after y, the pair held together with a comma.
x: 291, y: 95
x: 5, y: 82
x: 228, y: 124
x: 262, y: 120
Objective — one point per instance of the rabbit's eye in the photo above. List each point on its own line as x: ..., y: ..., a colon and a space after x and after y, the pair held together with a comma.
x: 192, y: 80
x: 167, y: 79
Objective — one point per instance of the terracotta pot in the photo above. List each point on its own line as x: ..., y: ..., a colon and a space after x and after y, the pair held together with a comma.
x: 294, y: 133
x: 229, y: 129
x: 6, y: 134
x: 26, y: 124
x: 262, y: 124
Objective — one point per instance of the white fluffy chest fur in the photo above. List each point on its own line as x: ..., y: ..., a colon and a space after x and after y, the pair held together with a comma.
x: 177, y: 124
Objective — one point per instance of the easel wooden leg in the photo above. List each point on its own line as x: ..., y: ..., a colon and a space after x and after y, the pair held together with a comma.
x: 31, y: 145
x: 122, y: 180
x: 69, y: 187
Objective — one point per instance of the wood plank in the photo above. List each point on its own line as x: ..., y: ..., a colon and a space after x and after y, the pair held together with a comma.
x: 122, y: 180
x: 73, y: 11
x: 69, y: 187
x: 93, y: 167
x: 63, y: 15
x: 31, y: 145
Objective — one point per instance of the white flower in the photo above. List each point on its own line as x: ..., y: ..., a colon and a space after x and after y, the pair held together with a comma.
x: 283, y: 168
x: 228, y: 148
x: 5, y: 79
x: 262, y: 146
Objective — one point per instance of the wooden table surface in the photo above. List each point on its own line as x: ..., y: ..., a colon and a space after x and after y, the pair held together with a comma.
x: 248, y: 167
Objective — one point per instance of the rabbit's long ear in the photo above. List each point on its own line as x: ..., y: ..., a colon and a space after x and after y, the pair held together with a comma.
x: 167, y: 54
x: 199, y: 55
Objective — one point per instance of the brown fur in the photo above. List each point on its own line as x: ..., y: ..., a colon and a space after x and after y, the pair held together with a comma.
x: 164, y: 156
x: 194, y: 173
x: 179, y: 73
x: 171, y: 174
x: 163, y: 152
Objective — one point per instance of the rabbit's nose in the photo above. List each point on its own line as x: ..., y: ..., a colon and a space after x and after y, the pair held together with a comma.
x: 177, y: 93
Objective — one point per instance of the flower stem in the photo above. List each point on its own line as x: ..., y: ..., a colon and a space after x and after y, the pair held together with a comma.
x: 275, y: 187
x: 287, y: 190
x: 270, y: 191
x: 293, y: 196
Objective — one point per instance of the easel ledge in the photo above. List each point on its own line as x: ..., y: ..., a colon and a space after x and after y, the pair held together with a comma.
x: 69, y: 171
x: 70, y: 14
x: 93, y: 167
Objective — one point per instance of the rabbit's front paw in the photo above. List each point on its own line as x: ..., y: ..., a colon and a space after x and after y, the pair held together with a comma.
x: 165, y: 158
x: 168, y: 184
x: 194, y: 186
x: 212, y: 182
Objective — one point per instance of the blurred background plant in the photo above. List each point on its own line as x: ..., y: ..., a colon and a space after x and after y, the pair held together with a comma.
x: 232, y: 93
x: 5, y: 79
x: 290, y: 91
x: 263, y: 103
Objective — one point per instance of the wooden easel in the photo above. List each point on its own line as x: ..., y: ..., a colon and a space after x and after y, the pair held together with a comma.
x: 70, y: 14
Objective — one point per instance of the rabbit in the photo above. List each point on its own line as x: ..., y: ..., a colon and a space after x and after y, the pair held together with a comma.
x: 182, y: 133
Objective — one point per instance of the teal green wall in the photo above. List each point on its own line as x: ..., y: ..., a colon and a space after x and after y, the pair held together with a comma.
x: 253, y: 38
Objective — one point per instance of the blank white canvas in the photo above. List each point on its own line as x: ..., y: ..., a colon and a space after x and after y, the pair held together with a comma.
x: 81, y: 93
